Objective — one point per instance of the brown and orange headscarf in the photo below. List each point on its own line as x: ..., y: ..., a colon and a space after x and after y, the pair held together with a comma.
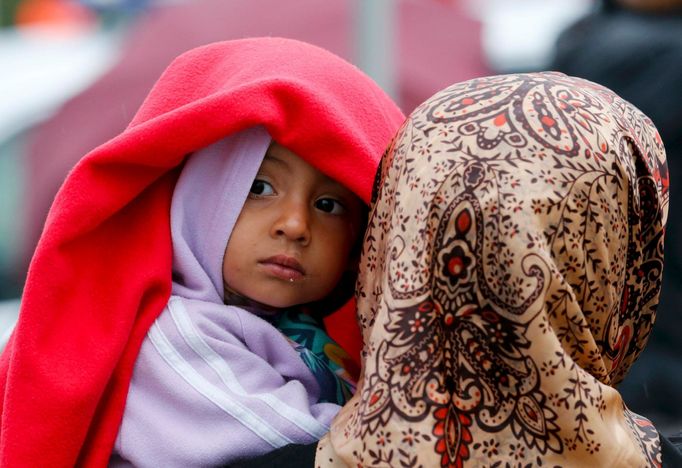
x: 509, y: 278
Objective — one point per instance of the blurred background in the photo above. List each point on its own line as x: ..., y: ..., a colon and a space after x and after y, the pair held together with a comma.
x: 73, y: 73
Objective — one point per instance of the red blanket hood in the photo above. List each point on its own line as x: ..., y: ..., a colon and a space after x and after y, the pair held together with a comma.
x: 101, y: 272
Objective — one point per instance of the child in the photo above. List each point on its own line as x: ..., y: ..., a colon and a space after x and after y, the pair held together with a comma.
x: 509, y: 279
x: 101, y: 275
x: 215, y: 383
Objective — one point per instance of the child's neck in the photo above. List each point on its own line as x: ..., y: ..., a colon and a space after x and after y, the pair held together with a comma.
x: 235, y: 299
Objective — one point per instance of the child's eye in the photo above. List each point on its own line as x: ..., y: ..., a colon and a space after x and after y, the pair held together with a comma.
x: 329, y: 205
x: 261, y: 188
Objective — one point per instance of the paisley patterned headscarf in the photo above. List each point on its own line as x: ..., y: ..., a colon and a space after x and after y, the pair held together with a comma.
x: 509, y: 278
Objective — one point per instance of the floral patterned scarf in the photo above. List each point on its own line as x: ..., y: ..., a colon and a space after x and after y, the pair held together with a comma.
x: 509, y: 279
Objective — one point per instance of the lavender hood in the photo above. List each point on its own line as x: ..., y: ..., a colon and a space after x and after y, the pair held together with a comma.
x: 214, y: 383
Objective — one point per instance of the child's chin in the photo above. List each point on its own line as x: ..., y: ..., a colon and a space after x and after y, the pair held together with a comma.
x: 282, y: 303
x: 287, y: 303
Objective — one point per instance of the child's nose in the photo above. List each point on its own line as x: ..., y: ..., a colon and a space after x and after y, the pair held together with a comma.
x: 293, y: 223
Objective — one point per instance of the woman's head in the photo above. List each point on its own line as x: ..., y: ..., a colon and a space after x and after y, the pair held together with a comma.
x: 509, y: 277
x: 293, y: 239
x: 541, y: 198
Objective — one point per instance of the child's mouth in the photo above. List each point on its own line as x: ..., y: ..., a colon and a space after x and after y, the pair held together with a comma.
x: 284, y: 267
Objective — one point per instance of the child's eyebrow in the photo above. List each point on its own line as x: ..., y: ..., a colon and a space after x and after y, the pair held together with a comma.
x: 272, y: 158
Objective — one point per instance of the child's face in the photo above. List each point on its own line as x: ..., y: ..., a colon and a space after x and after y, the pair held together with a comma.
x: 293, y: 238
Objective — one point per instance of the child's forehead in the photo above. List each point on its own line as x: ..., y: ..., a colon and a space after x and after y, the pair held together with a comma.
x: 281, y: 158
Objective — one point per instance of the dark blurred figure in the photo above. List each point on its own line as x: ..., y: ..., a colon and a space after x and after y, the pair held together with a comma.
x: 635, y: 48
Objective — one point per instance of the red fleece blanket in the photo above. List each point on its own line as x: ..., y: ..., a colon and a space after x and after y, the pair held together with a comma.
x: 102, y: 270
